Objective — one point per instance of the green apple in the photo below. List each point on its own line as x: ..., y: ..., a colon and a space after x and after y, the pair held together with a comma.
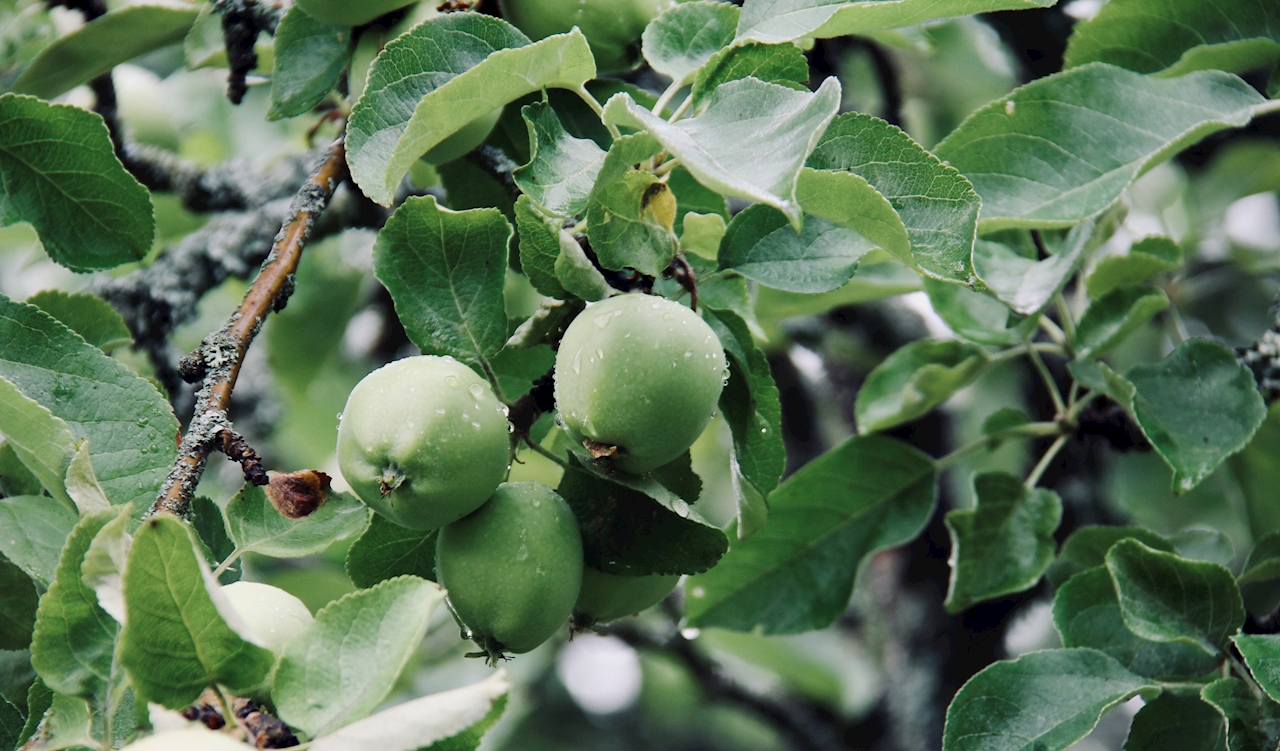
x: 188, y: 739
x: 606, y: 597
x: 272, y: 614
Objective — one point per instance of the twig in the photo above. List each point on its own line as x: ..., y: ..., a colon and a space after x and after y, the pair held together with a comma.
x: 805, y: 728
x: 223, y: 351
x: 540, y: 399
x: 683, y: 273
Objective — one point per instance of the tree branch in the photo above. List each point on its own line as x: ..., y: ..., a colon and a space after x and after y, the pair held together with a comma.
x: 222, y: 352
x: 803, y: 727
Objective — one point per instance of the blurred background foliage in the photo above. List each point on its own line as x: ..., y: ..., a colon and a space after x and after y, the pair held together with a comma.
x: 882, y: 676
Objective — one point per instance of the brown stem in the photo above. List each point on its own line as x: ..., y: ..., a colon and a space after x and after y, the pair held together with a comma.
x: 223, y: 351
x: 683, y: 273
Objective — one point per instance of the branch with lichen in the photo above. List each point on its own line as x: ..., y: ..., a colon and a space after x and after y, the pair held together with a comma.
x: 221, y: 355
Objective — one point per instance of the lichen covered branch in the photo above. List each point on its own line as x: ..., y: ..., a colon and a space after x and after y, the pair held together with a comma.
x: 222, y: 352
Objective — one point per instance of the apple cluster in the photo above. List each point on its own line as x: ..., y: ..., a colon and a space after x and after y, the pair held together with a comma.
x: 424, y: 442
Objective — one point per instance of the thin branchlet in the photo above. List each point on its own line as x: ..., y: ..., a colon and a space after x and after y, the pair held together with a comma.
x: 223, y: 351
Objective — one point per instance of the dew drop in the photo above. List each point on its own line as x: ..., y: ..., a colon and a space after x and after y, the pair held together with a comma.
x: 603, y: 321
x: 440, y: 410
x: 475, y: 424
x: 688, y: 353
x: 1009, y: 107
x: 657, y: 305
x: 452, y: 381
x: 600, y: 353
x: 668, y: 317
x: 690, y: 633
x: 476, y: 390
x: 577, y: 361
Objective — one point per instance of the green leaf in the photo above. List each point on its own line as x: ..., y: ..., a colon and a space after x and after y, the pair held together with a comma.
x: 850, y: 201
x: 1174, y: 38
x: 1097, y: 375
x: 1113, y: 317
x: 797, y: 572
x: 175, y: 643
x: 539, y: 247
x: 681, y: 40
x: 561, y: 169
x: 347, y: 661
x: 35, y: 529
x: 783, y: 64
x: 751, y: 140
x: 577, y: 273
x: 67, y: 724
x: 1002, y: 545
x: 88, y: 315
x: 1146, y: 258
x: 129, y: 425
x: 40, y: 440
x: 630, y: 212
x: 15, y: 478
x: 257, y: 526
x: 937, y: 205
x: 387, y: 550
x: 309, y: 58
x: 1177, y: 720
x: 761, y: 245
x: 18, y: 601
x: 39, y: 699
x: 784, y: 20
x: 445, y: 272
x: 977, y: 316
x: 93, y: 217
x: 1025, y: 284
x: 1262, y: 654
x: 1253, y: 722
x: 1044, y: 701
x: 1203, y: 544
x: 82, y: 484
x: 749, y: 403
x: 1197, y: 407
x: 1165, y: 598
x: 1087, y: 548
x: 449, y: 721
x: 1259, y: 581
x: 100, y: 45
x: 210, y: 526
x: 913, y: 380
x: 103, y: 566
x: 11, y: 722
x: 701, y: 233
x: 1062, y: 148
x: 693, y: 196
x: 628, y: 531
x: 441, y: 75
x: 74, y: 642
x: 1087, y: 614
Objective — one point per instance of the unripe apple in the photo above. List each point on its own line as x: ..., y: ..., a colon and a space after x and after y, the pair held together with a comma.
x: 271, y: 613
x: 606, y: 597
x: 637, y: 379
x: 188, y: 739
x: 464, y: 140
x: 513, y: 568
x: 349, y: 12
x: 423, y: 441
x: 612, y: 27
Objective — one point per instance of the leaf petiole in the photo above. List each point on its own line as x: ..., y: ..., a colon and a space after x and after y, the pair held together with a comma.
x: 595, y: 106
x: 1031, y: 429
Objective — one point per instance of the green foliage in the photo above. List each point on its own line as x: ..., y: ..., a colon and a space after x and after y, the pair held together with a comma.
x: 443, y: 74
x: 1049, y: 155
x: 1055, y: 697
x: 796, y: 573
x: 346, y: 662
x: 175, y: 642
x: 444, y: 270
x: 1197, y: 407
x: 1175, y: 38
x: 1004, y: 544
x: 97, y: 47
x: 718, y: 191
x: 309, y: 58
x: 94, y: 217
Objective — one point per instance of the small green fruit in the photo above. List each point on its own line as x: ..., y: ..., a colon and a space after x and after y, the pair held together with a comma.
x: 187, y: 739
x: 637, y: 378
x: 512, y: 569
x: 271, y: 613
x: 606, y: 597
x: 350, y: 12
x: 423, y: 441
x: 612, y: 27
